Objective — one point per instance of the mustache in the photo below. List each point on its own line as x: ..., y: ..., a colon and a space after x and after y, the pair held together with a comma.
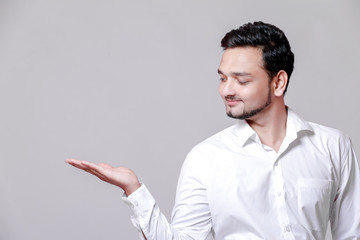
x: 232, y: 98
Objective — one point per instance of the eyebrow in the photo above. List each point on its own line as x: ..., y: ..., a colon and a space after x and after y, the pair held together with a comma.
x: 238, y: 74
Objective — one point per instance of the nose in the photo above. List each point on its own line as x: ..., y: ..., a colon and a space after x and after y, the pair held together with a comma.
x: 226, y: 88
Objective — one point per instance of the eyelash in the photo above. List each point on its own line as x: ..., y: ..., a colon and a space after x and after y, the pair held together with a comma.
x: 240, y: 82
x: 243, y: 82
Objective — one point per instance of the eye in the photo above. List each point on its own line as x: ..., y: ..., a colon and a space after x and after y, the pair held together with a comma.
x: 243, y: 82
x: 222, y: 78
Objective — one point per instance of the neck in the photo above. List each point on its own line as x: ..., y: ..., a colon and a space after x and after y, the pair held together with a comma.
x: 270, y: 125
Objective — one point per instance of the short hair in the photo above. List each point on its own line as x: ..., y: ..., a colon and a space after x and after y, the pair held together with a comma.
x: 276, y: 50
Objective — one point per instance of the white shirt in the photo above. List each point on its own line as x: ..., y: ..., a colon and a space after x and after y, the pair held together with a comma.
x: 232, y: 186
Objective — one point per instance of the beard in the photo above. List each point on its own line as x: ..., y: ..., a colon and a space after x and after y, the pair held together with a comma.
x: 252, y: 112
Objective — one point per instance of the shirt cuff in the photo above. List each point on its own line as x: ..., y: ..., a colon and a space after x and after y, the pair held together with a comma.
x: 141, y: 204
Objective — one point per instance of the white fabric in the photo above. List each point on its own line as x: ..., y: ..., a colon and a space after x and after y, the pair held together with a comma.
x: 233, y: 187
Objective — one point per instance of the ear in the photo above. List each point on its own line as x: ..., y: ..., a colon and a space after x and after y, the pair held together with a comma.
x: 279, y: 83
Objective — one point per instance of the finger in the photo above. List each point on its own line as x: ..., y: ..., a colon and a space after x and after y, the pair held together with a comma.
x: 72, y: 160
x: 105, y: 165
x: 92, y: 166
x: 77, y: 164
x: 98, y: 174
x: 95, y: 168
x: 98, y: 170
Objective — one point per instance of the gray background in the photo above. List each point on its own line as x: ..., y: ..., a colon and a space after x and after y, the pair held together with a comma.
x: 134, y: 83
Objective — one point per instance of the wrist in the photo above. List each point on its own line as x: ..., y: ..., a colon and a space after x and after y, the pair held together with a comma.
x: 132, y: 188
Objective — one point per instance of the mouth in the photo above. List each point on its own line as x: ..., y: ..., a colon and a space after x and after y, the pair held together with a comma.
x: 231, y: 101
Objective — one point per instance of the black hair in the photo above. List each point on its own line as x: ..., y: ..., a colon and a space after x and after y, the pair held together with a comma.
x: 277, y: 54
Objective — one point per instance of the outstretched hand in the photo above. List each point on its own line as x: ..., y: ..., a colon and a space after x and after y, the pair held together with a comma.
x: 119, y: 176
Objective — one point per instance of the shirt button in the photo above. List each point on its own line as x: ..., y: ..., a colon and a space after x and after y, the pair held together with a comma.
x: 279, y: 194
x: 287, y: 228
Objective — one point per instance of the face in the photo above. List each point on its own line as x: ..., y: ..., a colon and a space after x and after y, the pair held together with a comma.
x: 244, y: 83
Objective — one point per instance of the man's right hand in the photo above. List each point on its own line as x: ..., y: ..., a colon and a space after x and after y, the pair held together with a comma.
x: 119, y: 176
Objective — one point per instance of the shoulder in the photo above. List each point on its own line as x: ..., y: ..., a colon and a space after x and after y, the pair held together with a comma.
x: 213, y: 147
x: 329, y: 134
x: 333, y: 141
x: 327, y: 140
x: 315, y: 130
x: 203, y: 158
x: 219, y: 140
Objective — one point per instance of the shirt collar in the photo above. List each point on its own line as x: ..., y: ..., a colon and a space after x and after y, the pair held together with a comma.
x: 244, y: 132
x: 294, y: 125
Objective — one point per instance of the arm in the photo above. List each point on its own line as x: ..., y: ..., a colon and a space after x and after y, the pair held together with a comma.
x: 146, y: 215
x: 345, y: 220
x: 120, y: 176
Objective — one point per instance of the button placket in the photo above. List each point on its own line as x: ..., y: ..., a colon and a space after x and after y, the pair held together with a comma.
x: 280, y: 197
x: 287, y: 228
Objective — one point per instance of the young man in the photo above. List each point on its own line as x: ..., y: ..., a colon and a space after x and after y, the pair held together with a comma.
x: 272, y: 175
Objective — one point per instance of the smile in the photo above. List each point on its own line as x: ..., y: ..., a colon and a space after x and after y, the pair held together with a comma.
x: 232, y: 102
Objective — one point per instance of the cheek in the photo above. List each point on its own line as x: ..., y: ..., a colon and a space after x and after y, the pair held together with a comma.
x: 256, y: 93
x: 249, y: 93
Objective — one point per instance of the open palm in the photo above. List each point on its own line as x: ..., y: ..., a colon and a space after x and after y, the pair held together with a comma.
x: 118, y: 176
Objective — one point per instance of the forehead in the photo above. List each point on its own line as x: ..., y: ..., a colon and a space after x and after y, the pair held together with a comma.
x: 243, y: 59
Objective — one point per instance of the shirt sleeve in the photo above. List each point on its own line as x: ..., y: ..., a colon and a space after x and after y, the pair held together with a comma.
x: 191, y: 219
x: 345, y: 215
x: 146, y: 216
x: 191, y: 214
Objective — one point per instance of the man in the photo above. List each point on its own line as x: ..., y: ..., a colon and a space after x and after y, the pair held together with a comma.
x: 272, y: 175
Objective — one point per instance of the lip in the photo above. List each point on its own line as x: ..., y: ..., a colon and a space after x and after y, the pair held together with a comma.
x: 232, y: 103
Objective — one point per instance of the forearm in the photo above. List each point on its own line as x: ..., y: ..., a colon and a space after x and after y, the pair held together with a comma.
x: 191, y: 218
x: 147, y: 218
x: 153, y: 225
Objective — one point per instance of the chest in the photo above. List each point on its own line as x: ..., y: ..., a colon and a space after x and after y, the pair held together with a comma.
x: 245, y: 186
